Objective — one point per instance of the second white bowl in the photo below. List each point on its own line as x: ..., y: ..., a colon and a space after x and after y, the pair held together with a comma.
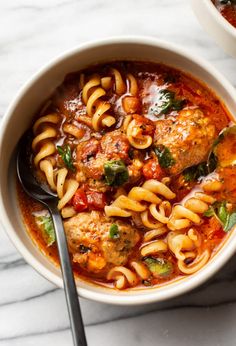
x: 216, y: 25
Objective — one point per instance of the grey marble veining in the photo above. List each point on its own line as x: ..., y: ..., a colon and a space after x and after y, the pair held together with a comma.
x: 32, y: 310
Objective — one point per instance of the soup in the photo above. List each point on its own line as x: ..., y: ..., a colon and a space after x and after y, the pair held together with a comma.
x: 142, y: 159
x: 228, y: 10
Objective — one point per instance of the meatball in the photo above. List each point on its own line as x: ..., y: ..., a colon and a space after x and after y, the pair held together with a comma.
x: 115, y: 146
x: 189, y: 137
x: 89, y: 240
x: 93, y: 154
x: 89, y: 160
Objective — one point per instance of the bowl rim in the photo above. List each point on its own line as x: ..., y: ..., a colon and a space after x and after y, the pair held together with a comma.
x: 222, y: 21
x: 121, y: 299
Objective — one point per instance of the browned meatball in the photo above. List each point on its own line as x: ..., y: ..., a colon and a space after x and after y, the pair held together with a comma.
x: 189, y: 138
x: 115, y: 146
x: 93, y: 154
x: 90, y: 242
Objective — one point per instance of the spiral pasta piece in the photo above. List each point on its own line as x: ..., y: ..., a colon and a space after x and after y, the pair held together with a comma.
x: 154, y: 233
x: 141, y: 270
x: 47, y: 119
x: 122, y: 277
x: 154, y: 247
x: 178, y: 243
x: 198, y: 263
x: 97, y: 108
x: 133, y: 85
x: 183, y: 216
x: 43, y: 142
x: 123, y: 206
x: 120, y: 86
x: 57, y: 181
x: 73, y: 130
x: 136, y: 138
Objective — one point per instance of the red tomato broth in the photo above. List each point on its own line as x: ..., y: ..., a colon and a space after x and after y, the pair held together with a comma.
x: 227, y: 10
x: 67, y: 102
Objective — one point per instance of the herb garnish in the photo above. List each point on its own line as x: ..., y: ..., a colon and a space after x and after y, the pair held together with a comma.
x: 195, y: 172
x: 220, y: 211
x: 114, y: 231
x: 159, y: 267
x: 167, y: 102
x: 116, y: 173
x: 48, y: 228
x: 164, y: 155
x: 65, y: 153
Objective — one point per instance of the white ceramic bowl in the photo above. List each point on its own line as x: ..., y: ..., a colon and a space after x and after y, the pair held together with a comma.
x: 18, y: 118
x: 216, y: 25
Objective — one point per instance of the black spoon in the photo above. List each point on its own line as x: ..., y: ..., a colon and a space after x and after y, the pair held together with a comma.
x: 43, y: 194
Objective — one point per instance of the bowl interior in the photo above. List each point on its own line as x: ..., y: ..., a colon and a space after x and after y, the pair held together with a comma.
x: 19, y: 117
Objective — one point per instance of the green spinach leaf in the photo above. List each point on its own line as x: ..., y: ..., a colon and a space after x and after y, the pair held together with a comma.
x: 159, y: 267
x: 65, y: 153
x: 220, y: 211
x: 48, y: 229
x: 114, y: 231
x: 167, y: 103
x: 116, y: 173
x: 164, y: 156
x: 195, y: 172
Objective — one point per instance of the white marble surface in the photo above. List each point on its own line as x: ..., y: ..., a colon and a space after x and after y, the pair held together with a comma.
x: 33, y: 311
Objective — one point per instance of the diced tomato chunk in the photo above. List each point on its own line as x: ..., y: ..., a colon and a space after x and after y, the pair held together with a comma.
x: 79, y: 201
x: 96, y: 200
x: 218, y: 234
x: 85, y: 198
x: 152, y: 170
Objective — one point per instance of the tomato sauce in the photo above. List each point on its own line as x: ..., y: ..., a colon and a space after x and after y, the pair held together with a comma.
x: 227, y: 10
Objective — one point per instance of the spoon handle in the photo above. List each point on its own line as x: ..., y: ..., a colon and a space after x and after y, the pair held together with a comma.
x: 76, y: 322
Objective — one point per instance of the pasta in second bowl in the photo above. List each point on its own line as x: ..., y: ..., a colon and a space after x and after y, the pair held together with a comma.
x: 139, y: 154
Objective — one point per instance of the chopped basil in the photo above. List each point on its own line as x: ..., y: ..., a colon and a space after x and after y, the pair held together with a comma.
x: 167, y: 102
x: 48, y: 229
x: 116, y: 173
x: 195, y: 172
x: 84, y: 249
x: 159, y: 267
x: 220, y: 211
x: 114, y: 231
x: 164, y: 155
x: 65, y: 153
x: 231, y: 222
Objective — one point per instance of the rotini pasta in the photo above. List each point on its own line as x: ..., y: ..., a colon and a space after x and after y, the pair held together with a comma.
x: 122, y: 276
x: 123, y: 206
x: 44, y: 136
x: 65, y: 188
x: 97, y: 108
x: 182, y: 216
x: 136, y: 138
